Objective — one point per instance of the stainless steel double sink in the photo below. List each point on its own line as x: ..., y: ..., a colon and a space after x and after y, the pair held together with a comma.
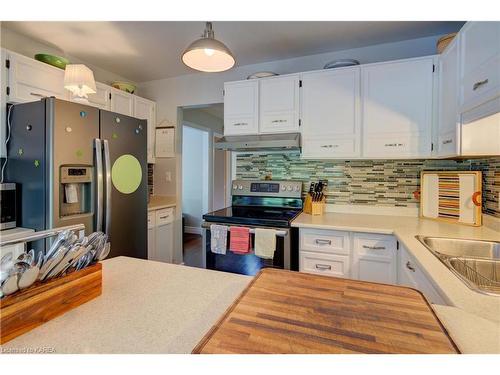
x: 475, y: 262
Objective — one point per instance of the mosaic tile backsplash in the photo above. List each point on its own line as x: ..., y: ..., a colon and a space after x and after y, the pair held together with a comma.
x: 367, y: 182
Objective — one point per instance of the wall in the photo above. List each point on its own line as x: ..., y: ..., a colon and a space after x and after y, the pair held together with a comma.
x: 28, y: 47
x: 368, y: 182
x: 194, y: 176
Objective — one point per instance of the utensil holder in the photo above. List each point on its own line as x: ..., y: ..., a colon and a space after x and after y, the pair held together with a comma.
x: 44, y: 300
x: 314, y: 207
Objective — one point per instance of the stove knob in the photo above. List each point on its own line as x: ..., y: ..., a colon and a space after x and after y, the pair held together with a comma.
x: 283, y: 187
x: 289, y: 188
x: 240, y: 187
x: 235, y: 187
x: 297, y: 188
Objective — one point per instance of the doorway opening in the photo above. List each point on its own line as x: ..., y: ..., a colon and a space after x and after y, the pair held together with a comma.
x: 206, y: 175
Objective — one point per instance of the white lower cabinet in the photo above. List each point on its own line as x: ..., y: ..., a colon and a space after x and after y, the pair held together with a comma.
x: 161, y: 235
x: 410, y: 274
x: 374, y: 258
x: 363, y: 256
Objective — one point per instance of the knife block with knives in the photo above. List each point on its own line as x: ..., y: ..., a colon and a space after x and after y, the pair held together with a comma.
x: 315, y: 200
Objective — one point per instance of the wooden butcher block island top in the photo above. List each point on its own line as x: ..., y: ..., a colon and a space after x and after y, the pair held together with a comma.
x: 291, y: 312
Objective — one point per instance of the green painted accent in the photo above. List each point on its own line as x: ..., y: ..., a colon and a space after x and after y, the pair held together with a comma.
x: 114, y: 136
x: 79, y: 153
x: 36, y: 163
x: 126, y: 174
x: 20, y: 151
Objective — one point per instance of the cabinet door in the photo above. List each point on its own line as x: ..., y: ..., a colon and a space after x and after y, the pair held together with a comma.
x: 410, y: 274
x: 279, y: 104
x: 145, y: 109
x: 330, y: 106
x: 151, y: 236
x: 164, y: 243
x: 397, y: 108
x: 241, y: 107
x: 448, y: 101
x: 122, y: 102
x: 30, y: 80
x: 374, y: 258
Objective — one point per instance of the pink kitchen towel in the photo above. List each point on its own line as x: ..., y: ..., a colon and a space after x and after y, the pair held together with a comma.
x: 240, y: 240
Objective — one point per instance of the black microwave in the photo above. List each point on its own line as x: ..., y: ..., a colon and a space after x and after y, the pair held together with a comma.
x: 8, y: 205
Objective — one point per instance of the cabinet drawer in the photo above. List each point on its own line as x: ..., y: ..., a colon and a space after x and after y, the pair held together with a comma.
x: 375, y: 245
x: 481, y: 84
x: 324, y: 241
x: 151, y: 220
x: 324, y: 264
x: 398, y: 146
x: 329, y: 147
x: 240, y: 125
x: 279, y: 122
x: 164, y: 216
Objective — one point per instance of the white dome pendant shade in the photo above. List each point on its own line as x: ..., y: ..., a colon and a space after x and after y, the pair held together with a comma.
x: 79, y: 79
x: 208, y: 54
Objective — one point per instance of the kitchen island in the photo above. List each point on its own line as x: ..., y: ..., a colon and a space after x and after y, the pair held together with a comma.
x: 145, y: 307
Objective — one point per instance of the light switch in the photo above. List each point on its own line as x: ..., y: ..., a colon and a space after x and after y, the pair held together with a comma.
x: 168, y: 176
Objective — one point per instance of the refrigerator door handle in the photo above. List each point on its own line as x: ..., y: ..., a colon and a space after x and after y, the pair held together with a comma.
x: 107, y: 163
x: 99, y: 178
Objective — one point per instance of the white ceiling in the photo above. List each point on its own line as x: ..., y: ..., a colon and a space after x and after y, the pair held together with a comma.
x: 143, y: 51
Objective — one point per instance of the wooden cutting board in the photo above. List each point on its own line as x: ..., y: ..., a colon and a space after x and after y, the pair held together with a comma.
x: 290, y: 312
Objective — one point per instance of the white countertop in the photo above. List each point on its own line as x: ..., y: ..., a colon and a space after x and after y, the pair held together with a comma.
x: 145, y: 307
x: 157, y: 202
x: 484, y: 307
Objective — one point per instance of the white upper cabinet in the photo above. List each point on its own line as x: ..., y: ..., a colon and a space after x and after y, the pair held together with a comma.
x: 330, y: 110
x: 241, y: 107
x: 145, y: 109
x: 480, y: 58
x: 279, y: 104
x: 122, y: 102
x: 447, y: 135
x: 397, y: 101
x: 30, y: 80
x: 101, y: 99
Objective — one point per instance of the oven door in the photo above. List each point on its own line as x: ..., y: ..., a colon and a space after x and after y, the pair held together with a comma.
x: 248, y: 264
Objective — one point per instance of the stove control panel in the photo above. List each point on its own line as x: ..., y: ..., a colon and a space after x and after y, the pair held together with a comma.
x: 289, y: 189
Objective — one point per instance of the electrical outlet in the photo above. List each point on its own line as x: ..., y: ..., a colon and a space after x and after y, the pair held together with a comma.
x: 168, y: 176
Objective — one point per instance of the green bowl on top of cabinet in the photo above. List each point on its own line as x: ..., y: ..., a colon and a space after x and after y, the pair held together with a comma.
x: 57, y: 61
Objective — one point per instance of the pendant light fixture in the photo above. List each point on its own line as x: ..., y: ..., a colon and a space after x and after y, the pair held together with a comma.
x: 208, y: 54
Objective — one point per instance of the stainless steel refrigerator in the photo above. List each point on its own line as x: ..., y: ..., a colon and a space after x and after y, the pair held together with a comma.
x: 79, y: 164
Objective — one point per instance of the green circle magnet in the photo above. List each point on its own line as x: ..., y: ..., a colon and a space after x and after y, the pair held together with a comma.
x: 126, y: 174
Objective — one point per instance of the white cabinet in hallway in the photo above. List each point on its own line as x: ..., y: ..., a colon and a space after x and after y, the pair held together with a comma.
x: 279, y: 104
x: 145, y: 109
x: 397, y: 99
x: 331, y: 115
x: 122, y: 102
x: 161, y: 235
x: 374, y: 258
x: 241, y: 107
x: 30, y: 80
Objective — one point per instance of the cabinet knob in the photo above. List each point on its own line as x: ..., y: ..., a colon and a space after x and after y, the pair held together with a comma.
x: 323, y: 267
x: 447, y: 141
x: 240, y: 124
x: 278, y: 121
x: 409, y: 266
x: 320, y: 241
x: 374, y: 247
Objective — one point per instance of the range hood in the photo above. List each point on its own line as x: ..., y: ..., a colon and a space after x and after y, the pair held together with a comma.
x: 265, y: 142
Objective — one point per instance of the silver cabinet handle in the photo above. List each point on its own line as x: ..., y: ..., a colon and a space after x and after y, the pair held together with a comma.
x: 277, y: 121
x: 323, y: 267
x: 409, y: 266
x: 240, y: 124
x: 479, y: 84
x: 329, y: 146
x: 447, y: 141
x: 36, y: 94
x: 107, y: 163
x: 374, y: 247
x: 394, y: 145
x: 320, y: 241
x: 99, y: 188
x: 164, y: 217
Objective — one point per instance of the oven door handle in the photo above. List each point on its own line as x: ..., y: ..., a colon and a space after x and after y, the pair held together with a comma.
x: 279, y: 233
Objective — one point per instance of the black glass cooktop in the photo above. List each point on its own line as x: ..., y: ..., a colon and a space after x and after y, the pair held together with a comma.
x: 265, y: 216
